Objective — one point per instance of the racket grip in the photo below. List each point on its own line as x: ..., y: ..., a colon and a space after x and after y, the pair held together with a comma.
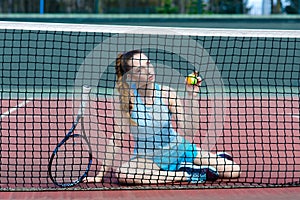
x: 85, y: 92
x: 85, y: 97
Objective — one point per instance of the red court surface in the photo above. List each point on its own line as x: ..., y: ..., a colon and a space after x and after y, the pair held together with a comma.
x: 291, y: 193
x: 262, y: 134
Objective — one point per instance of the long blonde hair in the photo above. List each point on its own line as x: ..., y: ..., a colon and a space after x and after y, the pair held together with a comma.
x: 122, y: 67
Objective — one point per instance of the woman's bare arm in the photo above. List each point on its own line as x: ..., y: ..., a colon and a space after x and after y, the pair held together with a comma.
x: 186, y: 112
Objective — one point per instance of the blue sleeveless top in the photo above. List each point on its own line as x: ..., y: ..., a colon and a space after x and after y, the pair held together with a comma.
x: 154, y: 135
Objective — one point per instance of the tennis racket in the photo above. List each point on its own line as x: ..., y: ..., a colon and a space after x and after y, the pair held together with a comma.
x: 72, y: 158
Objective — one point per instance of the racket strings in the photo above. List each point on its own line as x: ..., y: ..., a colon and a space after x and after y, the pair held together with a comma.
x: 71, y: 161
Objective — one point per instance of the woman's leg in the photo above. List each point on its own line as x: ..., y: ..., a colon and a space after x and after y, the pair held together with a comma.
x: 143, y: 171
x: 226, y: 168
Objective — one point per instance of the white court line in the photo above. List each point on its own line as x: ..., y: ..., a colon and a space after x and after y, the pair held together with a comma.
x: 294, y: 115
x: 11, y: 110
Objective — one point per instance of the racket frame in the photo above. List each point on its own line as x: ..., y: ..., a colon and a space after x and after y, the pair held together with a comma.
x: 79, y: 117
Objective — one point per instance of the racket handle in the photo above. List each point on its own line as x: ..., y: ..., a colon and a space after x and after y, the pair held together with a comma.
x: 85, y: 97
x: 85, y: 92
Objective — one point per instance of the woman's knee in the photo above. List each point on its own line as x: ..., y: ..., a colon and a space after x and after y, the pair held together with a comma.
x: 236, y: 171
x: 232, y: 171
x: 226, y: 168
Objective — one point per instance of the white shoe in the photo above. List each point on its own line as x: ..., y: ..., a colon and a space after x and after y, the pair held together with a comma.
x: 199, y: 174
x: 225, y: 155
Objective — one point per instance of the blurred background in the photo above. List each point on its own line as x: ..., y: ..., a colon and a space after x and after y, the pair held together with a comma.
x: 280, y: 14
x: 253, y: 7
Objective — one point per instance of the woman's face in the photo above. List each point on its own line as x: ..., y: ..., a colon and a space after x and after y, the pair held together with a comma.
x: 142, y: 70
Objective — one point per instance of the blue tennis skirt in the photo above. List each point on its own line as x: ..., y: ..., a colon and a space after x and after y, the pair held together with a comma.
x: 185, y: 152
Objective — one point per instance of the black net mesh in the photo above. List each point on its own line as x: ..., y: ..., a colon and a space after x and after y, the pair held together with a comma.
x: 248, y: 106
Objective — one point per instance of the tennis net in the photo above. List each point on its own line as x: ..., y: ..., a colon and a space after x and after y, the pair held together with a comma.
x: 248, y: 104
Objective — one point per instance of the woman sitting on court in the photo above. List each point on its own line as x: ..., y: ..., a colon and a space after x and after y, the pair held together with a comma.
x: 160, y: 154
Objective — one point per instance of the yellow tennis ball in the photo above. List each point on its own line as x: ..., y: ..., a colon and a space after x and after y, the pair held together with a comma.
x: 192, y: 80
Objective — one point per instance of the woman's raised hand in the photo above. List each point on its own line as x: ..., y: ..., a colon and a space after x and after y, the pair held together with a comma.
x: 193, y: 82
